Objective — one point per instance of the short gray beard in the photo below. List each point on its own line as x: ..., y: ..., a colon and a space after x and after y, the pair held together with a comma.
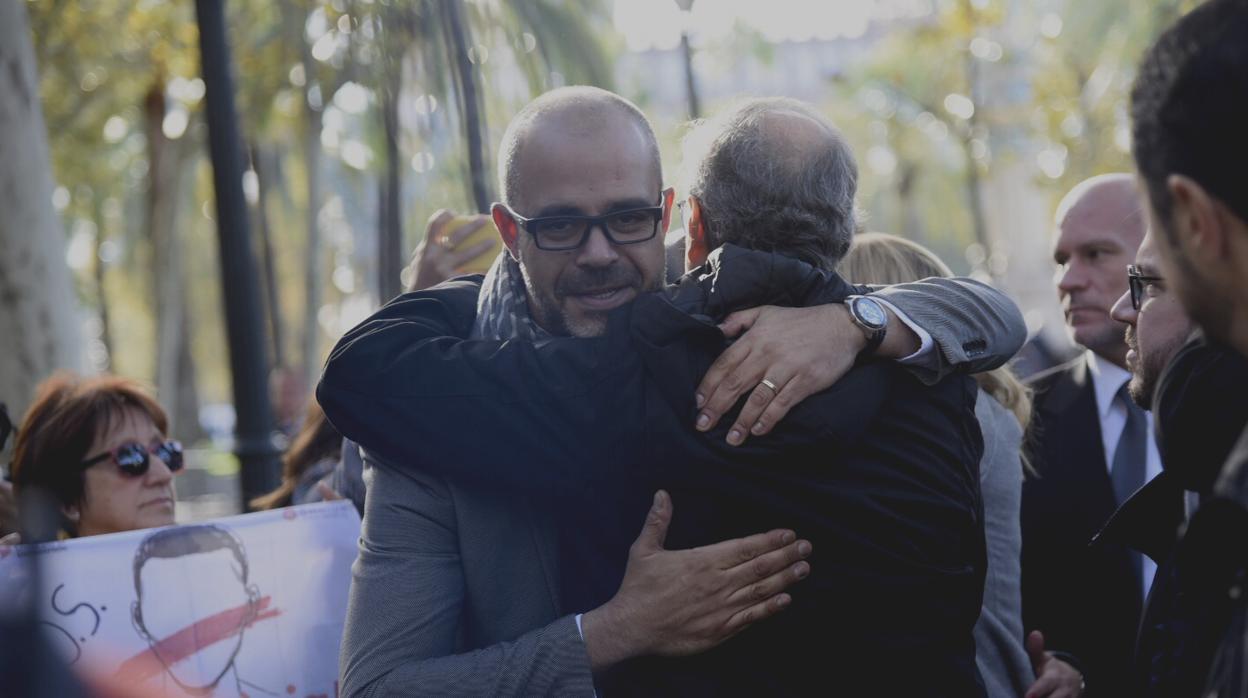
x: 545, y: 311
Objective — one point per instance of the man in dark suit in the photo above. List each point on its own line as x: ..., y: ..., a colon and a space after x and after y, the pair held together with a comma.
x: 1091, y: 447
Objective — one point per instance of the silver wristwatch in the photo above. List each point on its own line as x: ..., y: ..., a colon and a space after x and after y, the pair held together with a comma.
x: 871, y: 317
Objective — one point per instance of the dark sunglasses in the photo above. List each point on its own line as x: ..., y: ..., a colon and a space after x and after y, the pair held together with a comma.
x: 1137, y: 281
x: 132, y: 458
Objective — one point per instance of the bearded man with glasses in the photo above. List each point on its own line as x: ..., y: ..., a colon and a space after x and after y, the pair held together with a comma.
x: 1182, y: 378
x: 575, y: 303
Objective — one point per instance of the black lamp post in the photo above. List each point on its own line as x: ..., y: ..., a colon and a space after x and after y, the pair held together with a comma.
x: 691, y: 88
x: 253, y: 432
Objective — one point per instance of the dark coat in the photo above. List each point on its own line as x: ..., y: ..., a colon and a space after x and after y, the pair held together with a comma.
x: 1190, y: 604
x: 1085, y: 599
x: 880, y: 472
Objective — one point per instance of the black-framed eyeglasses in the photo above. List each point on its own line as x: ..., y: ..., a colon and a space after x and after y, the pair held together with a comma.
x: 132, y: 458
x: 1137, y: 280
x: 561, y: 233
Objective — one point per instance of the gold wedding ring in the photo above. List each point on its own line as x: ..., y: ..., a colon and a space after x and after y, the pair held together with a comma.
x: 769, y: 384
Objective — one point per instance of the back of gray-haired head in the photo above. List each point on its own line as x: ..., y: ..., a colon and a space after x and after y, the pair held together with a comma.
x: 773, y: 174
x: 573, y: 108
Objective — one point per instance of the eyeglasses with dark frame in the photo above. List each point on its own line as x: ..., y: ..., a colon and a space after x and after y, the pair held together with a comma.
x: 1137, y: 280
x: 562, y: 233
x: 132, y: 458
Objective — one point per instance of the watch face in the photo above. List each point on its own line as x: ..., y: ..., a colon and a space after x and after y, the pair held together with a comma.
x: 871, y: 312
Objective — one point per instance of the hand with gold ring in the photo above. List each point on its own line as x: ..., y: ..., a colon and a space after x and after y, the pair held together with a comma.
x: 783, y: 356
x: 436, y: 257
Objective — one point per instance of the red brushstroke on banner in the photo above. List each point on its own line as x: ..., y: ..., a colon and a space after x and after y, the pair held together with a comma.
x: 193, y: 638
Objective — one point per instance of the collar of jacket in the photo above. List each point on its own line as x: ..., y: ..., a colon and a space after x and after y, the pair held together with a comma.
x: 1149, y: 521
x: 1232, y: 483
x: 734, y: 278
x: 1196, y: 418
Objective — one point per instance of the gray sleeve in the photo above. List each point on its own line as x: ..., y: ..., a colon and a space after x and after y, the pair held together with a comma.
x: 406, y: 608
x: 999, y: 650
x: 974, y: 326
x: 347, y: 477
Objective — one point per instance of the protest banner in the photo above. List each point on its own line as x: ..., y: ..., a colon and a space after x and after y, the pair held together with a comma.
x: 250, y: 605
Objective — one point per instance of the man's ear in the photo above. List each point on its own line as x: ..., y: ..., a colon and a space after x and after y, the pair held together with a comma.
x: 507, y: 228
x: 697, y: 246
x: 1197, y: 225
x: 669, y: 197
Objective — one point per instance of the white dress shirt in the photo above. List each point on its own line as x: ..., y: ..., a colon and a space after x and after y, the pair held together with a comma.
x: 926, y: 343
x: 1107, y: 378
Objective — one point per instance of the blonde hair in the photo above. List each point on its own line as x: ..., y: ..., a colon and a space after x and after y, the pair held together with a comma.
x: 880, y: 258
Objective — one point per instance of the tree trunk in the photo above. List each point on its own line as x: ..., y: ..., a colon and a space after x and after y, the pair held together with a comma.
x: 390, y: 220
x: 160, y: 195
x: 691, y: 87
x: 314, y: 273
x: 469, y: 94
x: 910, y: 222
x: 295, y: 17
x: 101, y: 296
x: 185, y: 406
x: 262, y: 163
x: 175, y: 377
x: 38, y: 309
x: 974, y: 200
x: 974, y: 195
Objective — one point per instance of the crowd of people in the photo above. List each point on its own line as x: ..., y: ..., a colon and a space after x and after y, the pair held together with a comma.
x: 774, y: 454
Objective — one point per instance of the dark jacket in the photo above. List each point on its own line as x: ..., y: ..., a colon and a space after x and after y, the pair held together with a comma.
x: 1085, y: 599
x: 1218, y: 567
x: 1189, y: 605
x: 879, y: 472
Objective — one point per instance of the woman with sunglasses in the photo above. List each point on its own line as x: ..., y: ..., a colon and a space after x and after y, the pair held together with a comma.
x: 97, y: 448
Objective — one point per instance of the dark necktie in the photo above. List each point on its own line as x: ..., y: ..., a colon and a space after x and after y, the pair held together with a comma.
x: 1131, y: 456
x: 1130, y: 461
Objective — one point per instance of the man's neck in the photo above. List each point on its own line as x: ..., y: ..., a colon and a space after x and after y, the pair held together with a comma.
x: 1117, y: 357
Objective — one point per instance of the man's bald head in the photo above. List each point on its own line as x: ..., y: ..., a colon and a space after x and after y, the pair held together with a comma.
x: 571, y: 113
x: 1100, y: 225
x: 1111, y: 201
x: 773, y: 174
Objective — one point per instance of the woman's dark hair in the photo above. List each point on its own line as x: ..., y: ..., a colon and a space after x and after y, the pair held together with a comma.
x: 316, y: 441
x: 66, y: 417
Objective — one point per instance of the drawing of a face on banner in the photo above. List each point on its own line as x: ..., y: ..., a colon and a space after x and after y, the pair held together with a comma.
x: 249, y: 606
x: 196, y: 634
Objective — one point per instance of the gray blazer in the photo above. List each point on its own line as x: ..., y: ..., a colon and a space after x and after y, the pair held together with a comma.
x: 455, y: 591
x: 999, y: 650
